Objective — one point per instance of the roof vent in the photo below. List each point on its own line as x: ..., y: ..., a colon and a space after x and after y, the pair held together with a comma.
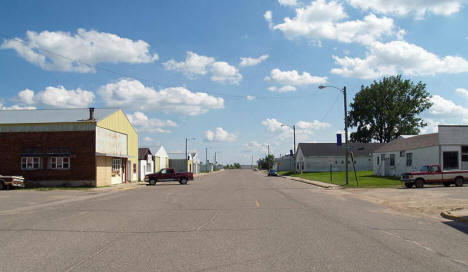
x: 91, y: 114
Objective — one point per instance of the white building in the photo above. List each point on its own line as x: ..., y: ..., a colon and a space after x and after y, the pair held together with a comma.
x: 195, y: 162
x: 318, y: 157
x: 161, y: 159
x: 284, y: 163
x: 448, y: 147
x: 146, y: 162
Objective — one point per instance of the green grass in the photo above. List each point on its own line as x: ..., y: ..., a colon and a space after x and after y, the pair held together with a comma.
x: 366, y: 179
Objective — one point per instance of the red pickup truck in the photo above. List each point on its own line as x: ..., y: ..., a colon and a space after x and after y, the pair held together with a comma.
x: 433, y: 174
x: 168, y: 174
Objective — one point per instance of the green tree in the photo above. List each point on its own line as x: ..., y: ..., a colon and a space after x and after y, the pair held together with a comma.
x: 266, y: 163
x: 387, y: 109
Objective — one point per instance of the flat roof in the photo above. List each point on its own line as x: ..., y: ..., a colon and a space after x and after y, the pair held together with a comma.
x: 43, y: 116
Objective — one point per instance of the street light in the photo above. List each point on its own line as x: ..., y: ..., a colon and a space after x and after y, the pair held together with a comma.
x: 186, y: 155
x: 294, y: 148
x: 346, y: 125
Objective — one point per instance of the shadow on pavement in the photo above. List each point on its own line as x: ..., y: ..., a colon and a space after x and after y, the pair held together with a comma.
x: 460, y: 226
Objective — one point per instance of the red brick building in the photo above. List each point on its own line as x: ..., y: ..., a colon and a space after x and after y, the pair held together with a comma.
x: 72, y: 147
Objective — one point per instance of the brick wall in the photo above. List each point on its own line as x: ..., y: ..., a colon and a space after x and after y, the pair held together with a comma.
x: 81, y: 145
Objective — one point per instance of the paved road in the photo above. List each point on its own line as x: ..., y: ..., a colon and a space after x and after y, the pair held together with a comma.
x: 237, y: 220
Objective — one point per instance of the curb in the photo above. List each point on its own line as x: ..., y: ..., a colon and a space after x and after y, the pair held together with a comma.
x: 315, y: 183
x: 449, y: 215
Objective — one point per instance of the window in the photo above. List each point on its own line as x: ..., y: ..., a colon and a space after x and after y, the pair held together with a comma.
x: 378, y: 160
x: 134, y: 168
x: 464, y: 148
x: 115, y: 165
x: 402, y: 153
x: 392, y: 159
x: 30, y: 163
x: 59, y: 163
x: 464, y: 158
x: 409, y: 159
x: 164, y: 171
x: 450, y: 160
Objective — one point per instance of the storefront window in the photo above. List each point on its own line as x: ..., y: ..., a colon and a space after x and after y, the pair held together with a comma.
x: 30, y: 163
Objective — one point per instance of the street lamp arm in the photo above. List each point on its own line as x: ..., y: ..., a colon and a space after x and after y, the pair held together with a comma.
x: 330, y: 86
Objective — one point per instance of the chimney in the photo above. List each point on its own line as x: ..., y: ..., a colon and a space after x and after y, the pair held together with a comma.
x: 91, y: 114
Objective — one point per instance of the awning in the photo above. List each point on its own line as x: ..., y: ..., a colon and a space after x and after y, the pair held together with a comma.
x: 52, y: 152
x: 99, y: 154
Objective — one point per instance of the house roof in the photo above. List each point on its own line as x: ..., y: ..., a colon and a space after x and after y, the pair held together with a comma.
x: 332, y: 149
x: 52, y: 115
x: 161, y: 153
x: 408, y: 143
x: 143, y: 153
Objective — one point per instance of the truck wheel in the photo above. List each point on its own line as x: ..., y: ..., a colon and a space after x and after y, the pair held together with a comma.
x: 152, y: 182
x: 2, y: 186
x: 459, y: 182
x: 409, y: 184
x: 183, y: 181
x: 419, y: 183
x: 447, y: 184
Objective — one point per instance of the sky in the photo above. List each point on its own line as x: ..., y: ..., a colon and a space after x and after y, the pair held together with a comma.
x: 232, y: 76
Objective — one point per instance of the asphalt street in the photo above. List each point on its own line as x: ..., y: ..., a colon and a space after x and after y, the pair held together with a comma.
x: 237, y: 220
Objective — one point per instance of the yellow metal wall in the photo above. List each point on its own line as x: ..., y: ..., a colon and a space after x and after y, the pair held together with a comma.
x: 157, y: 164
x: 119, y: 122
x: 103, y: 171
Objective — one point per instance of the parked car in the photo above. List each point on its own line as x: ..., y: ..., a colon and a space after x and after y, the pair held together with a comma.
x: 272, y: 173
x: 8, y: 182
x: 168, y: 174
x: 434, y: 174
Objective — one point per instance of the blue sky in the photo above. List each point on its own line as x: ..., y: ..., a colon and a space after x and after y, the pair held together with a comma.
x: 229, y: 73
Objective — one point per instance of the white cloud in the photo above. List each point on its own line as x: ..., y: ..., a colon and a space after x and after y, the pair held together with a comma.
x: 223, y: 72
x: 57, y: 97
x: 293, y: 78
x: 398, y: 57
x: 304, y: 130
x: 16, y: 107
x: 444, y: 107
x: 290, y: 3
x: 192, y: 66
x: 133, y: 94
x: 144, y: 124
x: 326, y: 20
x: 405, y: 7
x: 287, y: 88
x: 219, y: 135
x: 269, y: 17
x: 79, y: 52
x: 255, y: 147
x: 252, y: 61
x: 272, y: 88
x: 250, y: 97
x: 461, y: 91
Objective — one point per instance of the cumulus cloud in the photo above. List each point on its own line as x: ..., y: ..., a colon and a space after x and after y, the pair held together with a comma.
x: 219, y: 135
x: 144, y: 124
x: 269, y: 18
x: 254, y: 147
x: 57, y: 97
x: 398, y: 57
x: 304, y: 129
x: 403, y: 7
x: 252, y: 61
x: 79, y: 52
x: 461, y: 91
x: 290, y: 79
x: 16, y: 107
x: 223, y: 72
x: 327, y: 20
x: 197, y: 65
x: 193, y: 65
x: 134, y: 95
x: 445, y: 107
x: 250, y: 97
x: 290, y: 3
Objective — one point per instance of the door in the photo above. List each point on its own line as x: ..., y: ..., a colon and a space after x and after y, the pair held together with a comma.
x: 435, y: 173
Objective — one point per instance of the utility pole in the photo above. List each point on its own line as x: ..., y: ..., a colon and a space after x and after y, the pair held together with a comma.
x: 346, y: 134
x: 268, y: 157
x: 214, y: 168
x: 206, y: 159
x: 186, y: 155
x: 251, y: 164
x: 294, y: 149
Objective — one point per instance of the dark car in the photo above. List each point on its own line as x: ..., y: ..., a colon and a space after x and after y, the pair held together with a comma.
x: 272, y: 173
x: 168, y: 174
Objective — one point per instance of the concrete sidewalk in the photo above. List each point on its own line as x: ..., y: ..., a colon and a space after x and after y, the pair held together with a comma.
x: 314, y: 182
x: 460, y: 215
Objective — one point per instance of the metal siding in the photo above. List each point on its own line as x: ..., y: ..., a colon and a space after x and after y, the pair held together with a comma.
x: 111, y: 142
x: 48, y: 127
x: 118, y: 122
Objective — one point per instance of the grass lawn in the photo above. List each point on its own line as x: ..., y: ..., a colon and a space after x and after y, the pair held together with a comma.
x: 366, y: 179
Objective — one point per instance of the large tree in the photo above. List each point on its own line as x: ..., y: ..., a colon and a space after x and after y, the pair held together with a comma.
x: 387, y: 109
